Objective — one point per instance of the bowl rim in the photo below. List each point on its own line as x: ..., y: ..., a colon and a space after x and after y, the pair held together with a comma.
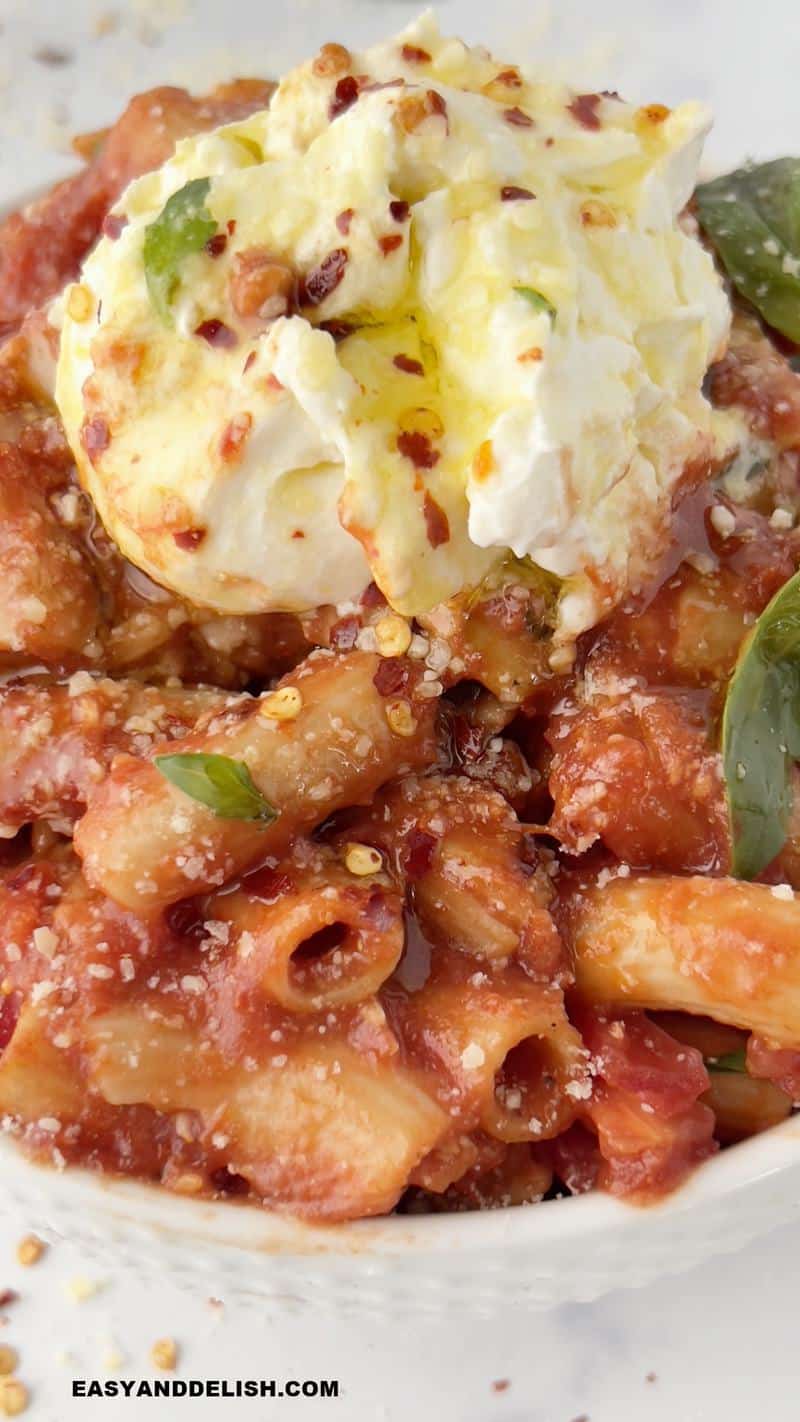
x: 77, y: 1191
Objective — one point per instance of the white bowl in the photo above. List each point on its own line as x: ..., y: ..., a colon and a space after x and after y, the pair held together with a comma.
x: 539, y: 1255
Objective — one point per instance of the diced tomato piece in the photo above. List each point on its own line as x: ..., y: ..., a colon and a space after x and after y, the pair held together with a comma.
x: 633, y: 1055
x: 644, y: 1155
x: 574, y: 1157
x: 780, y: 1065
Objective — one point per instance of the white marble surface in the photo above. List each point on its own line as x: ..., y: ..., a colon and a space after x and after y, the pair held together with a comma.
x: 716, y: 1344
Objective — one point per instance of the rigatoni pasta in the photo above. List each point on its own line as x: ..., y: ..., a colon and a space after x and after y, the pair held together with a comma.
x: 144, y: 842
x: 709, y: 946
x: 310, y: 934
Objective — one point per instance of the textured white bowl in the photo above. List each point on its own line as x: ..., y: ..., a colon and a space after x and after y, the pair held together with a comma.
x: 436, y: 1265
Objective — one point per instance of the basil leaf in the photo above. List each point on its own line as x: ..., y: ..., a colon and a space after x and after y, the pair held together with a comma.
x: 536, y: 300
x: 752, y: 217
x: 224, y: 785
x: 183, y: 226
x: 761, y: 733
x: 732, y: 1061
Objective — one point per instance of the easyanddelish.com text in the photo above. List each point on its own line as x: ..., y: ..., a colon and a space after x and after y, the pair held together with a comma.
x: 204, y: 1387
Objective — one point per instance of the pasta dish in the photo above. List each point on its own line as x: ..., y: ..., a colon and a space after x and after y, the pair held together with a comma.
x: 399, y: 624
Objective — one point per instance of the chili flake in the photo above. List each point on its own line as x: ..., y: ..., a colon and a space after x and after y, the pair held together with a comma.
x: 416, y: 446
x: 413, y: 54
x: 517, y: 118
x: 420, y: 847
x: 113, y: 225
x: 584, y: 109
x: 323, y: 279
x: 344, y: 96
x: 216, y: 245
x: 392, y: 676
x: 390, y: 243
x: 436, y: 521
x: 234, y: 436
x: 408, y: 364
x: 217, y: 334
x: 511, y: 193
x: 189, y: 538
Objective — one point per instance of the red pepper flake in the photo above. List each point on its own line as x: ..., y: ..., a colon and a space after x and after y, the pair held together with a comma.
x: 186, y: 919
x: 114, y: 225
x: 420, y: 847
x: 189, y: 538
x: 8, y: 1296
x: 436, y: 103
x: 231, y: 226
x: 298, y: 533
x: 324, y: 278
x: 273, y: 383
x: 509, y: 77
x: 217, y: 334
x: 390, y: 243
x: 216, y: 245
x: 267, y: 884
x: 413, y: 54
x: 234, y: 436
x: 9, y: 1017
x: 584, y: 109
x: 510, y: 193
x: 344, y: 96
x: 95, y: 437
x: 416, y: 446
x: 436, y: 522
x: 501, y: 1385
x: 344, y: 219
x: 468, y: 741
x: 414, y: 109
x: 344, y: 633
x: 392, y: 676
x: 372, y: 597
x: 249, y: 363
x: 408, y: 364
x: 517, y: 118
x: 340, y: 330
x: 399, y: 210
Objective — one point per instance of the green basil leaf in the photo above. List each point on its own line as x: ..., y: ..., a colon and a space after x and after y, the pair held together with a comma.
x: 732, y: 1061
x: 224, y: 785
x: 536, y: 300
x: 183, y: 226
x: 752, y: 217
x: 761, y: 733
